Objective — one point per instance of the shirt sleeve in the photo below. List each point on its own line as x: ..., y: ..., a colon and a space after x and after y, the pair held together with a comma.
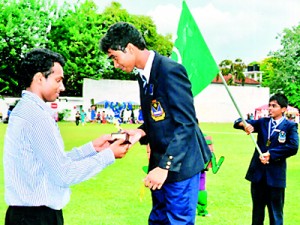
x: 65, y: 169
x: 79, y: 153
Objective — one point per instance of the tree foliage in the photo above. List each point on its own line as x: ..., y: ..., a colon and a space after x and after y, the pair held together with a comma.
x: 75, y: 35
x: 154, y: 41
x: 235, y: 69
x: 72, y: 30
x: 286, y: 66
x: 23, y: 25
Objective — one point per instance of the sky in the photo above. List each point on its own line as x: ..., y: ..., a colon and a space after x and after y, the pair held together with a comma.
x: 231, y: 28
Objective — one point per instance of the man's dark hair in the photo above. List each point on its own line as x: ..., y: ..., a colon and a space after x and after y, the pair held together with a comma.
x: 37, y: 60
x: 119, y: 35
x: 281, y: 99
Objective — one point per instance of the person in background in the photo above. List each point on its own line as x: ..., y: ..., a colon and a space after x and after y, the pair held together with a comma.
x: 77, y: 118
x: 178, y: 149
x: 93, y: 113
x: 38, y: 172
x: 98, y: 117
x: 82, y: 117
x: 277, y: 139
x: 103, y: 117
x: 140, y: 118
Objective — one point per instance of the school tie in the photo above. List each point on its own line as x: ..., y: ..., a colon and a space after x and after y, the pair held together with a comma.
x: 144, y: 83
x: 273, y: 126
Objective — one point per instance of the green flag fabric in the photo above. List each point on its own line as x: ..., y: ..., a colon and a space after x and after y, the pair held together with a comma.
x: 191, y: 51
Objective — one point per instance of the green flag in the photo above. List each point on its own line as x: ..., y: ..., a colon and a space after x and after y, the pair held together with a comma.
x: 191, y: 51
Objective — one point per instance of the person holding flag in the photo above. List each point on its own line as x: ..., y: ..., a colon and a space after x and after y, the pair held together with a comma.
x: 278, y: 139
x: 178, y: 148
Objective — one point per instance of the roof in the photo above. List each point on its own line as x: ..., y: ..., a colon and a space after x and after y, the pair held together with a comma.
x: 248, y: 80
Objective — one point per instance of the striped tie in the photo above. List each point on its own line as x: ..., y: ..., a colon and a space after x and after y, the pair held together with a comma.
x: 144, y: 83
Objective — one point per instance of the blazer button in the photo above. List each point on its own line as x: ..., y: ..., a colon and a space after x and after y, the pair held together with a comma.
x: 170, y: 157
x: 168, y: 163
x: 167, y: 167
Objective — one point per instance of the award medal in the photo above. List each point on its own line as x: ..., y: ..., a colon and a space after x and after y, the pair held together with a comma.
x: 281, y: 137
x: 268, y: 143
x: 157, y: 111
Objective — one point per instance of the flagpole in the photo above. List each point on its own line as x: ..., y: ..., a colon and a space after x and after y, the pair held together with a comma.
x: 237, y: 108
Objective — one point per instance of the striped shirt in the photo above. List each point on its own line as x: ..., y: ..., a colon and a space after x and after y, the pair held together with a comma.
x: 37, y: 170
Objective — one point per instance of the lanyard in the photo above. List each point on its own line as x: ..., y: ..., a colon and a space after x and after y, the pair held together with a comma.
x: 270, y: 124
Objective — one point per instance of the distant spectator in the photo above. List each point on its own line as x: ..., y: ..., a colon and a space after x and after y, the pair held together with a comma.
x: 82, y: 117
x: 98, y: 118
x: 77, y: 118
x: 140, y: 118
x: 93, y: 113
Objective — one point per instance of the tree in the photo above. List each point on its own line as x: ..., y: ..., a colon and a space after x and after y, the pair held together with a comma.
x: 268, y: 67
x: 286, y: 77
x: 23, y: 25
x: 235, y: 69
x: 82, y: 28
x: 72, y: 30
x: 75, y: 35
x: 162, y: 44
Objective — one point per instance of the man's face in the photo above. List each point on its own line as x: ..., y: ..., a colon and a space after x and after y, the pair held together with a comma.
x: 275, y: 110
x: 124, y: 60
x: 53, y: 84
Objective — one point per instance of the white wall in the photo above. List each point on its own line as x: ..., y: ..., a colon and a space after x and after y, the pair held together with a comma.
x: 3, y: 109
x: 4, y: 105
x: 213, y: 104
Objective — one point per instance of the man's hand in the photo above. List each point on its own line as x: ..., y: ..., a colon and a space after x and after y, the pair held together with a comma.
x: 119, y: 149
x: 265, y: 158
x: 135, y: 135
x: 248, y: 128
x: 156, y: 178
x: 101, y: 142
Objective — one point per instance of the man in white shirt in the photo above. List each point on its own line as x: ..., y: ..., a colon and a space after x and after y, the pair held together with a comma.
x: 37, y: 170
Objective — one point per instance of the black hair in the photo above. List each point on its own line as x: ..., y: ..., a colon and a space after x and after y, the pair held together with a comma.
x: 281, y: 99
x: 37, y: 60
x: 119, y: 35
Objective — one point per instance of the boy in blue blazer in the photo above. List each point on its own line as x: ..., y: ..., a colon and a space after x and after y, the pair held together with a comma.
x: 178, y: 149
x: 278, y: 139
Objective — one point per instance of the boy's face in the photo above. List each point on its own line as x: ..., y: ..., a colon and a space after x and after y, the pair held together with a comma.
x: 53, y: 84
x: 275, y: 110
x: 124, y: 60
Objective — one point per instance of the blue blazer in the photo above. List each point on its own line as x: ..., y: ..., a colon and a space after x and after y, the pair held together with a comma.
x: 284, y: 143
x: 170, y: 122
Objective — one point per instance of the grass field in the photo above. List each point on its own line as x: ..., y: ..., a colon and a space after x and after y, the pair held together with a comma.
x: 116, y: 195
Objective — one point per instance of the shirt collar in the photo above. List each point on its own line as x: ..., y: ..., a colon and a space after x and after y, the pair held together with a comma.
x: 278, y: 121
x: 147, y: 69
x: 27, y: 95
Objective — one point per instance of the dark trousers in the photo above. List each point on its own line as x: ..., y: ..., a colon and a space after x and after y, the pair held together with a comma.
x: 175, y: 203
x: 41, y: 215
x: 272, y: 197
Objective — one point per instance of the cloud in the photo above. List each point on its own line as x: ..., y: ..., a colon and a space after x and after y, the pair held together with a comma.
x: 234, y: 29
x: 166, y: 18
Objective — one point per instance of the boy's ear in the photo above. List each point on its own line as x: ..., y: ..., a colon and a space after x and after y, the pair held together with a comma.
x: 130, y: 47
x: 38, y: 77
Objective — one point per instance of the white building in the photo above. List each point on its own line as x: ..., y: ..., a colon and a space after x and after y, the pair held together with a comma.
x: 213, y: 104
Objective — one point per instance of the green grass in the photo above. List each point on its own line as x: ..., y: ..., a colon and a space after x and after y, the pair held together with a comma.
x: 113, y: 197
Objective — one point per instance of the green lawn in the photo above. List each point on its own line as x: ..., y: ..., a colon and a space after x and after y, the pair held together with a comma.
x: 116, y: 195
